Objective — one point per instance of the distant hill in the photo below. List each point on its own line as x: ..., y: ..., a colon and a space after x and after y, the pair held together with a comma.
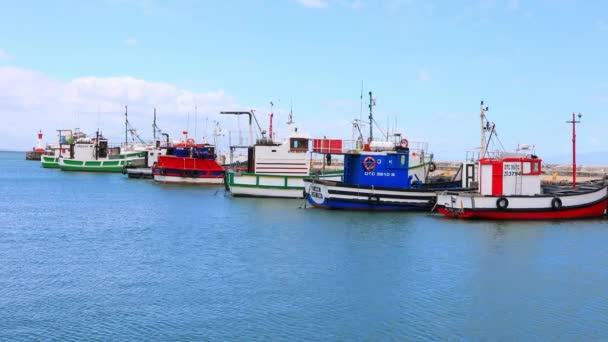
x: 588, y: 158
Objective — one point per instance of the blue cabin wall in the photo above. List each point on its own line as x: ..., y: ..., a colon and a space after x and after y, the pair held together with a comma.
x: 391, y: 170
x: 205, y: 152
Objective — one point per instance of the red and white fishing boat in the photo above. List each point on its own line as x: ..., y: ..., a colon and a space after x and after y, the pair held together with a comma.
x: 189, y: 163
x: 510, y: 189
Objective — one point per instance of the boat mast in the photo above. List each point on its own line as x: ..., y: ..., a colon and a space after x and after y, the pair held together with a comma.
x: 97, y: 144
x: 482, y: 145
x: 574, y: 122
x: 154, y: 127
x: 371, y: 118
x: 270, y: 127
x: 126, y: 127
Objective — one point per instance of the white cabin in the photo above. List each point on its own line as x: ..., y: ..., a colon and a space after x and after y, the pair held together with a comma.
x: 511, y: 176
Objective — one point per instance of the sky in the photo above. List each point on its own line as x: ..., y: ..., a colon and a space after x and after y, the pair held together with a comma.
x: 67, y: 64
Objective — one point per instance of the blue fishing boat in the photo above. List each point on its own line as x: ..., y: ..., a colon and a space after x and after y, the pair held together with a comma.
x: 378, y: 175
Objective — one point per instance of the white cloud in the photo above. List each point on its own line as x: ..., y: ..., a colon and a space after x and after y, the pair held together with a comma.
x: 131, y: 41
x: 313, y: 3
x: 30, y: 100
x: 424, y: 75
x: 4, y: 55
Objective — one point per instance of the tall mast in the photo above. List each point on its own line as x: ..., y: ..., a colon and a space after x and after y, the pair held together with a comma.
x: 482, y: 145
x: 574, y: 122
x: 154, y: 127
x: 371, y: 119
x: 126, y: 127
x: 271, y: 115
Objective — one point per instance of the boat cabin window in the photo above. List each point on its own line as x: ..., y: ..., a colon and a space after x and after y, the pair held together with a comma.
x: 530, y: 168
x: 298, y: 145
x: 402, y: 160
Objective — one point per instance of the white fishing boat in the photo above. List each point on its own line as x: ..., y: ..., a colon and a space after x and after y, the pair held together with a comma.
x: 274, y: 168
x: 510, y: 189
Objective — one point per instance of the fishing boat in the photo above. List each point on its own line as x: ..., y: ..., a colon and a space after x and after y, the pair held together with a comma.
x: 379, y: 175
x: 153, y: 151
x: 188, y: 163
x: 94, y: 155
x: 65, y: 137
x: 274, y: 168
x: 510, y: 189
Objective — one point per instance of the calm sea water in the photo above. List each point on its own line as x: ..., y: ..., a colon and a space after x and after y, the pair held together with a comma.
x: 98, y: 256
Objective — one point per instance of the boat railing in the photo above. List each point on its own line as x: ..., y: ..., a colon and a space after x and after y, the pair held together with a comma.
x: 342, y: 146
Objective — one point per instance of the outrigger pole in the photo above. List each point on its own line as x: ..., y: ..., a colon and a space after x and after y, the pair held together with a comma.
x: 251, y: 119
x: 574, y: 122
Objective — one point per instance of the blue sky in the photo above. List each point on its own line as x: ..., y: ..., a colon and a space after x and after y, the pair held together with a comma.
x: 428, y: 62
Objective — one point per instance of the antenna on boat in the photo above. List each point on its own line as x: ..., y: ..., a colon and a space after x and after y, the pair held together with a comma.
x: 290, y: 117
x: 482, y: 115
x: 270, y: 126
x: 361, y: 103
x: 195, y: 121
x: 371, y: 117
x: 154, y: 127
x: 574, y: 122
x: 126, y: 127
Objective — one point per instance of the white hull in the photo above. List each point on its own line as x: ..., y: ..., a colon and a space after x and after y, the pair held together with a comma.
x: 263, y: 192
x: 187, y: 180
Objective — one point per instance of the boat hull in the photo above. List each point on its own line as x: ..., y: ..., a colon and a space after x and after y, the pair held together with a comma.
x: 188, y: 180
x: 270, y: 186
x: 49, y: 162
x: 546, y: 207
x: 336, y: 195
x: 93, y: 166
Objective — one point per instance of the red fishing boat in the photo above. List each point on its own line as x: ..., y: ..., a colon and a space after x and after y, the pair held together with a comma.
x: 189, y: 163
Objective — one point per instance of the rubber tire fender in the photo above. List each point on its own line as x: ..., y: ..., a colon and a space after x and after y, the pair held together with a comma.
x: 432, y: 167
x: 556, y: 203
x: 502, y: 203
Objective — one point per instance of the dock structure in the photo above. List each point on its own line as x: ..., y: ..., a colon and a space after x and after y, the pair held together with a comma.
x: 33, y: 155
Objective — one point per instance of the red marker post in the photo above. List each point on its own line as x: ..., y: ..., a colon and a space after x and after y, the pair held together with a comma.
x: 574, y: 122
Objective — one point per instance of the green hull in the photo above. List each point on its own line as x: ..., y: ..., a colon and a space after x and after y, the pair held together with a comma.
x: 282, y: 182
x: 116, y: 165
x: 48, y: 162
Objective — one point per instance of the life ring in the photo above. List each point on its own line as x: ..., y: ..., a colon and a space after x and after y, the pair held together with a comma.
x: 404, y: 143
x: 556, y: 203
x: 432, y: 167
x: 190, y: 142
x: 369, y: 163
x: 502, y: 203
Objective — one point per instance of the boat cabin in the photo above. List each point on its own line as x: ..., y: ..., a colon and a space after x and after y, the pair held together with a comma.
x: 288, y: 158
x: 389, y: 170
x: 510, y: 176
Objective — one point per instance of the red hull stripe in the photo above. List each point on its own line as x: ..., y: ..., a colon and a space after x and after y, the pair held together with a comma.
x: 595, y: 210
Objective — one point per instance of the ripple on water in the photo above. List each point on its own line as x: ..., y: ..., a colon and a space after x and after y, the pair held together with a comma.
x: 89, y: 256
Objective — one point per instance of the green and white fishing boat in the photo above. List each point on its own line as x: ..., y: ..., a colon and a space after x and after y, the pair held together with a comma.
x: 61, y: 148
x: 93, y: 155
x: 274, y: 169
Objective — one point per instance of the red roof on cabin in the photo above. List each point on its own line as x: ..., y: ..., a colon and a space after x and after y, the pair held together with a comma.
x: 507, y: 160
